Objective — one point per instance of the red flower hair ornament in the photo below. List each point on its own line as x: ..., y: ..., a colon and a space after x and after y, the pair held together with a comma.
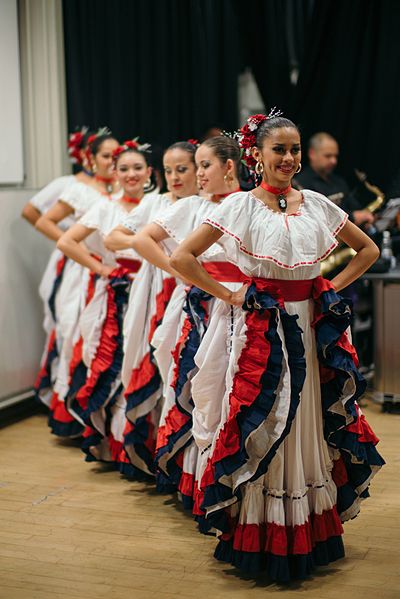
x: 247, y: 135
x: 74, y: 145
x: 131, y: 144
x: 194, y: 142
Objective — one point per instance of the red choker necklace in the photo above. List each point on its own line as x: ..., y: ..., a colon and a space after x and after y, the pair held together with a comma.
x: 280, y: 192
x: 108, y: 182
x: 220, y: 196
x: 130, y: 200
x: 104, y: 179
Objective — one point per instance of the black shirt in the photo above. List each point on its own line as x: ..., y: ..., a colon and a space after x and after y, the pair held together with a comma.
x: 335, y: 188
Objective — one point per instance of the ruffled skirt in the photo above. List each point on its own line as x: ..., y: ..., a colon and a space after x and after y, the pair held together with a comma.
x: 286, y: 455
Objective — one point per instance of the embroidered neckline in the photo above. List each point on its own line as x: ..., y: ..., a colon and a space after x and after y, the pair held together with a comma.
x: 299, y: 211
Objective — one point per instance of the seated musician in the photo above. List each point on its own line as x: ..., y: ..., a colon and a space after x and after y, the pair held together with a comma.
x: 319, y: 176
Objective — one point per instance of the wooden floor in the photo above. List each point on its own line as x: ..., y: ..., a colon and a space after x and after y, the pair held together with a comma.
x: 74, y: 530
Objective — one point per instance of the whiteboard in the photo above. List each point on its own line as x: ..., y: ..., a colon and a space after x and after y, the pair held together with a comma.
x: 11, y: 148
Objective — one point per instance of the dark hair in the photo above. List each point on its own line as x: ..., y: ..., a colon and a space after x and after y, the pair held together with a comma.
x: 276, y: 122
x: 226, y: 148
x: 97, y: 143
x: 185, y: 146
x: 146, y: 157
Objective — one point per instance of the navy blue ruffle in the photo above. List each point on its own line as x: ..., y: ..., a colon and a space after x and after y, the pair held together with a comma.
x: 104, y: 383
x: 56, y: 285
x: 250, y: 418
x: 359, y: 458
x: 65, y: 429
x: 278, y: 568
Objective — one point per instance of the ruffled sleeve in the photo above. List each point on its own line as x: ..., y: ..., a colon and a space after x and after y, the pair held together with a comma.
x: 94, y: 217
x: 80, y: 198
x: 180, y: 219
x: 48, y: 196
x: 140, y: 216
x: 333, y: 217
x: 290, y: 241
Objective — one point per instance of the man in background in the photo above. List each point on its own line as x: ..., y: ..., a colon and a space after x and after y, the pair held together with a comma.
x: 323, y: 151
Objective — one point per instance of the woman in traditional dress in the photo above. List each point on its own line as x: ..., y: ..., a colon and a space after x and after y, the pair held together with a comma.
x: 70, y: 291
x: 95, y: 395
x: 150, y: 293
x: 218, y: 162
x: 292, y: 456
x: 38, y: 205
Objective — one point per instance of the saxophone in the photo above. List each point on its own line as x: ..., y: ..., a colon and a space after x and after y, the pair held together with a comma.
x: 343, y: 254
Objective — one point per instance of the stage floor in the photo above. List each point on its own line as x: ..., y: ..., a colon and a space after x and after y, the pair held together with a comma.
x: 77, y: 530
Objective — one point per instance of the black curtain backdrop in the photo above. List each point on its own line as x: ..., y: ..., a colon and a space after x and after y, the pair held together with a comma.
x: 349, y: 83
x: 164, y: 69
x: 167, y: 69
x: 265, y: 48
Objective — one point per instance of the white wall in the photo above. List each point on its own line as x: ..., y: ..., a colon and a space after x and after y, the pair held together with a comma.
x: 23, y: 252
x: 11, y: 164
x: 23, y: 257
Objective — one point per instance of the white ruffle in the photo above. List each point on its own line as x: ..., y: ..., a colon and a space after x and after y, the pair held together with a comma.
x: 81, y: 197
x: 289, y: 241
x: 146, y: 211
x: 184, y: 216
x: 103, y: 217
x: 91, y: 321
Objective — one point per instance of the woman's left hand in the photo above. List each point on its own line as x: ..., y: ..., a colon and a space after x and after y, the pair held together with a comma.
x: 237, y: 297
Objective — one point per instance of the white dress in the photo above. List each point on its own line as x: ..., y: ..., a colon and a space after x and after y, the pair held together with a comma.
x: 176, y: 341
x: 45, y: 199
x: 99, y: 402
x: 70, y: 300
x: 149, y: 296
x: 278, y: 463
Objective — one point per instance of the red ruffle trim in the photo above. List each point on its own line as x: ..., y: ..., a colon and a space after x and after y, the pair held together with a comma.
x: 78, y: 347
x: 245, y: 389
x: 59, y: 411
x: 176, y: 352
x: 186, y: 484
x: 174, y: 421
x: 198, y: 498
x: 142, y: 375
x: 105, y: 352
x: 362, y: 429
x: 339, y: 473
x: 60, y: 265
x: 288, y: 540
x: 76, y: 358
x: 116, y: 448
x: 88, y: 432
x: 162, y: 300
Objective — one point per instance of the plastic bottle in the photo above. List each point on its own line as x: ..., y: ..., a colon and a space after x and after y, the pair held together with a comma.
x: 386, y: 249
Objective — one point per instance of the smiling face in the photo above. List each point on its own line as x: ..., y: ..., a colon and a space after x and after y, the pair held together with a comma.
x: 103, y: 159
x: 132, y: 173
x: 180, y: 173
x: 280, y: 155
x: 211, y: 171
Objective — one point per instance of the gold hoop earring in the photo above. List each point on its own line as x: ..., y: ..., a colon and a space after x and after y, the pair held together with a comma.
x: 259, y: 168
x: 298, y: 169
x: 94, y: 168
x: 147, y: 185
x: 228, y: 178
